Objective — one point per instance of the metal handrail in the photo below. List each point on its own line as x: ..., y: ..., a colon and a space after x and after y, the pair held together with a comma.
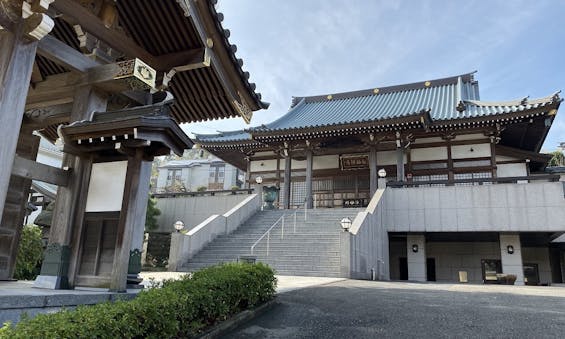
x: 268, y: 234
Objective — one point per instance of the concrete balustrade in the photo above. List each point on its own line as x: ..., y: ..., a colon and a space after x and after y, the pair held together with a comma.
x: 185, y: 246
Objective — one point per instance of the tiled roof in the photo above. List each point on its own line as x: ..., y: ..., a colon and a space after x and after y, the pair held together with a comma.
x: 444, y: 100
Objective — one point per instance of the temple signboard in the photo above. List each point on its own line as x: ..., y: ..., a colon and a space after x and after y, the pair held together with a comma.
x: 354, y: 162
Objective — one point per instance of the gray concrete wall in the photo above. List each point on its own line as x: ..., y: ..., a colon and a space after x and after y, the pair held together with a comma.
x: 452, y: 257
x: 537, y: 206
x: 369, y: 241
x: 193, y: 210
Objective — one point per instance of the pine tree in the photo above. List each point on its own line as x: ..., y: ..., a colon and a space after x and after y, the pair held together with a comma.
x: 151, y: 215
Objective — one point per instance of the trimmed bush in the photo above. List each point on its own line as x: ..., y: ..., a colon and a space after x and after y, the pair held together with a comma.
x: 30, y: 253
x: 181, y: 308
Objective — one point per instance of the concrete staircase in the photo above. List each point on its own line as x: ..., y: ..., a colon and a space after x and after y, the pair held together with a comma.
x: 312, y: 250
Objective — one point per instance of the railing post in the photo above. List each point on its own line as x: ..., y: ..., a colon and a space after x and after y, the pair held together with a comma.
x: 282, y: 228
x: 295, y: 221
x: 268, y: 241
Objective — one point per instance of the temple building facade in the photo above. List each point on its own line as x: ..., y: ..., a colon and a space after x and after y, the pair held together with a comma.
x: 454, y: 187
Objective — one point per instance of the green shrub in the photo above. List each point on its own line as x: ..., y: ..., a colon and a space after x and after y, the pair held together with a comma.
x: 30, y: 253
x: 181, y: 308
x: 201, y: 189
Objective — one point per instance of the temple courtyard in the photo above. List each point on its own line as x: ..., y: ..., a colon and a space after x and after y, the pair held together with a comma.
x: 370, y: 309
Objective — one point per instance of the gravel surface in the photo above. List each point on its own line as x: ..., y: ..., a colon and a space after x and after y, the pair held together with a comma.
x: 367, y: 309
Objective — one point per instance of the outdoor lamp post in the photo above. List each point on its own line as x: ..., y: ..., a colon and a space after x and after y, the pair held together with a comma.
x: 259, y: 180
x: 415, y: 248
x: 179, y: 225
x: 346, y: 224
x: 382, y: 173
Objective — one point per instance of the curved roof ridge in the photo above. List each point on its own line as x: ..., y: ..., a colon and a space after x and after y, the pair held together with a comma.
x: 466, y: 78
x: 517, y: 102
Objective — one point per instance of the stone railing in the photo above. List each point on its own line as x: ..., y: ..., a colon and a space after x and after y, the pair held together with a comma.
x: 364, y: 249
x: 185, y: 246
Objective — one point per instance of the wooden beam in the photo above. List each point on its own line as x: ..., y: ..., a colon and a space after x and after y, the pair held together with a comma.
x: 10, y: 13
x: 29, y: 169
x: 91, y: 23
x: 64, y: 55
x: 184, y: 61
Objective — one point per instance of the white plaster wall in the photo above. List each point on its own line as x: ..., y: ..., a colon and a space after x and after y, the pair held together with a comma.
x: 511, y: 170
x: 452, y: 257
x: 432, y: 153
x: 106, y: 188
x: 296, y: 164
x: 265, y: 165
x: 387, y: 158
x: 537, y: 206
x: 325, y: 162
x: 198, y: 176
x: 469, y: 136
x: 464, y: 151
x: 539, y: 256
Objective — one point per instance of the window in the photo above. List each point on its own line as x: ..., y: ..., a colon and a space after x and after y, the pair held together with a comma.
x: 174, y: 177
x: 476, y: 175
x: 216, y: 176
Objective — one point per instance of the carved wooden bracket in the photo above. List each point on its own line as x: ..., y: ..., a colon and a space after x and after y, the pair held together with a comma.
x: 36, y: 23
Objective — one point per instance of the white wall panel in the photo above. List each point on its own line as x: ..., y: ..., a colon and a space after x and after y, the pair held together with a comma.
x: 326, y: 161
x: 511, y: 170
x: 470, y: 151
x: 432, y: 153
x: 265, y: 165
x: 106, y: 189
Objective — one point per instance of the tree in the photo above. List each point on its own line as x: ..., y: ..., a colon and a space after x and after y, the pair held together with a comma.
x: 151, y: 215
x: 557, y: 159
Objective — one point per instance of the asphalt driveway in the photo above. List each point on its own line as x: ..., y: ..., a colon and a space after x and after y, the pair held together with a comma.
x: 367, y: 309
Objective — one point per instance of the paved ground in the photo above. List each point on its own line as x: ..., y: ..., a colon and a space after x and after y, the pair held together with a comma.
x: 284, y: 283
x: 367, y: 309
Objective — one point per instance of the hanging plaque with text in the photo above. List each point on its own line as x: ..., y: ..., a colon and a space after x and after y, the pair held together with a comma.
x: 354, y: 162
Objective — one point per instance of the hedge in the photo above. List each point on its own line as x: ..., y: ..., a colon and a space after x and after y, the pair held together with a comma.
x: 30, y: 253
x: 180, y: 308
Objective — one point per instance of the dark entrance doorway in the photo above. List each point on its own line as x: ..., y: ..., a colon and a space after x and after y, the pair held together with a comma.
x: 490, y: 268
x: 403, y: 268
x: 531, y: 274
x: 431, y: 269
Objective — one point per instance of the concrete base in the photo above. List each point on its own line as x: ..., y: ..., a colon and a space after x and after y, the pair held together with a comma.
x: 19, y: 297
x: 51, y: 282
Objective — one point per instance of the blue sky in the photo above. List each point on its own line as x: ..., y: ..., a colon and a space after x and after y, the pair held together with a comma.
x: 310, y: 47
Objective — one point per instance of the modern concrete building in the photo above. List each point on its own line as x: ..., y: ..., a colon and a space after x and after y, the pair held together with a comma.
x: 189, y: 175
x: 463, y: 193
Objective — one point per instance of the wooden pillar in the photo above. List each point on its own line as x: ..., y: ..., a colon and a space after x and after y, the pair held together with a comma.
x: 134, y: 206
x: 287, y: 175
x: 400, y: 163
x: 373, y: 176
x: 134, y: 267
x: 450, y: 174
x: 248, y: 173
x: 309, y: 164
x: 493, y: 158
x: 15, y: 207
x: 16, y: 64
x: 68, y: 213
